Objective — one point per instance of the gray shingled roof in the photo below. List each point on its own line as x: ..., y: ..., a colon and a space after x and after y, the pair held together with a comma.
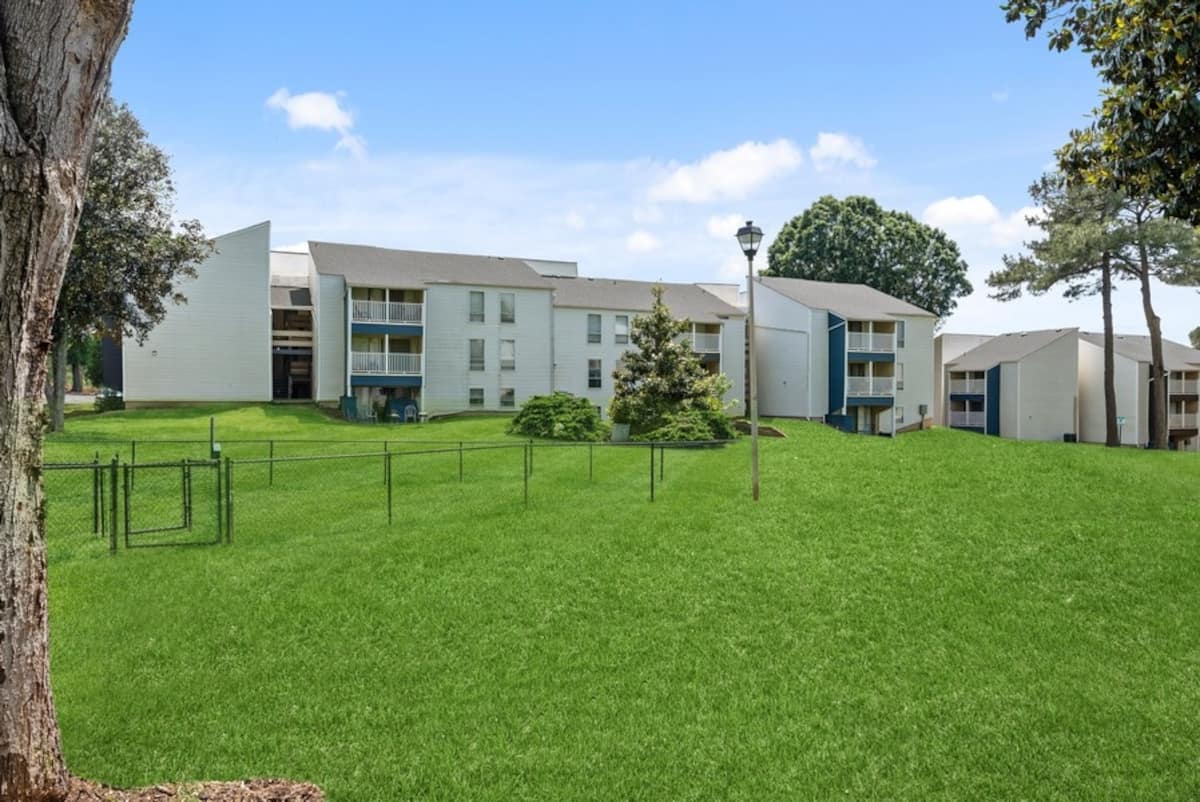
x: 685, y: 300
x: 1137, y: 348
x: 365, y: 265
x: 290, y: 296
x: 1008, y: 348
x: 851, y: 301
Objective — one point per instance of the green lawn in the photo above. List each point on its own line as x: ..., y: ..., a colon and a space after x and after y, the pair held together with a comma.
x: 943, y: 616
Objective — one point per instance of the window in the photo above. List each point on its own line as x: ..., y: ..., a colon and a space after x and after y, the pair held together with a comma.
x: 594, y: 373
x: 621, y: 330
x: 593, y: 328
x: 508, y: 397
x: 899, y: 414
x: 476, y: 315
x: 899, y: 375
x: 508, y: 307
x: 476, y: 396
x: 508, y: 355
x: 900, y: 334
x: 477, y: 362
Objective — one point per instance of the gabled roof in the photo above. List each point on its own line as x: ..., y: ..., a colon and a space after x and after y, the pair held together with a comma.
x: 1137, y: 347
x: 364, y: 265
x: 1008, y: 348
x: 685, y: 300
x: 851, y: 301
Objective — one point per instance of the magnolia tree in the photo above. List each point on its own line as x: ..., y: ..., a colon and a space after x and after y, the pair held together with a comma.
x: 661, y: 389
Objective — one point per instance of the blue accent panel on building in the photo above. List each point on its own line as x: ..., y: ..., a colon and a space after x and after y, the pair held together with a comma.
x: 870, y: 356
x: 843, y: 422
x: 992, y: 404
x: 837, y: 362
x: 966, y: 396
x: 385, y: 381
x: 869, y: 401
x: 387, y: 328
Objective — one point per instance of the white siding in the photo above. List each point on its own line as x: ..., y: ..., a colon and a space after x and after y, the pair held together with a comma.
x: 917, y: 358
x: 793, y: 356
x: 733, y: 364
x: 947, y: 348
x: 217, y: 346
x: 448, y: 331
x: 1045, y: 394
x: 329, y: 345
x: 1091, y: 396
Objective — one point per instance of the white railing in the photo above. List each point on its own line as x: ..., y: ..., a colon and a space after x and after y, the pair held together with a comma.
x: 385, y: 312
x: 864, y: 341
x: 968, y: 386
x: 291, y: 337
x: 705, y: 343
x: 385, y: 364
x: 1184, y: 387
x: 1185, y: 420
x: 869, y: 385
x: 967, y: 419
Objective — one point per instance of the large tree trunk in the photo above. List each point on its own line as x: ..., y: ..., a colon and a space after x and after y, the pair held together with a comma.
x: 1112, y: 435
x: 58, y: 398
x: 55, y: 58
x: 1159, y: 432
x: 76, y: 377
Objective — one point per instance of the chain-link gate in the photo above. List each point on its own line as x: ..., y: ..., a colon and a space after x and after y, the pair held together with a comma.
x: 173, y: 503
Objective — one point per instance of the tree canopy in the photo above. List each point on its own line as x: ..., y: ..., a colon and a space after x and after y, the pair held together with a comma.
x: 1143, y: 134
x: 857, y: 241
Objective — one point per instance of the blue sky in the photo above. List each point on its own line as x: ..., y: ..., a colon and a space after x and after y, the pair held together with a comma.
x: 626, y: 136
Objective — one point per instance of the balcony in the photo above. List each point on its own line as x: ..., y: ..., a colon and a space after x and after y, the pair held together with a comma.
x: 968, y: 386
x: 870, y: 342
x: 408, y: 314
x: 378, y: 364
x: 703, y: 343
x: 1184, y: 420
x: 967, y: 420
x: 869, y: 385
x: 1184, y: 387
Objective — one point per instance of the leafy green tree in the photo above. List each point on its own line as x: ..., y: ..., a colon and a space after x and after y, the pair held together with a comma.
x: 1077, y: 251
x: 1143, y: 133
x: 855, y: 240
x: 661, y: 376
x: 129, y: 255
x: 1194, y: 336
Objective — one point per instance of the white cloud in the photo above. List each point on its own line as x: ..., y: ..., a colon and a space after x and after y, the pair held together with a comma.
x: 956, y: 211
x: 733, y: 268
x: 732, y: 174
x: 832, y: 150
x: 1015, y: 229
x: 323, y: 111
x: 1000, y: 96
x: 724, y: 226
x: 575, y: 221
x: 642, y: 241
x: 295, y: 247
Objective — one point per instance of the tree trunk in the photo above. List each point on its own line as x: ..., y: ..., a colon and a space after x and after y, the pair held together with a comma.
x: 1159, y: 432
x: 1112, y: 435
x: 58, y: 398
x: 76, y: 377
x: 55, y: 58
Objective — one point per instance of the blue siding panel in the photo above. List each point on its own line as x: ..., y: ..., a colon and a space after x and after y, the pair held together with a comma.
x: 385, y: 381
x: 387, y: 328
x: 871, y: 356
x: 869, y: 401
x: 992, y: 404
x: 837, y: 362
x: 966, y: 396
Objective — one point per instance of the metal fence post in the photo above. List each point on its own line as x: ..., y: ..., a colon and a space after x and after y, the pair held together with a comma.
x: 112, y: 518
x: 228, y: 499
x: 661, y: 452
x: 132, y: 457
x: 387, y: 469
x: 460, y: 460
x: 531, y: 457
x: 128, y: 478
x: 385, y: 466
x: 216, y: 463
x: 96, y: 504
x: 525, y: 455
x: 271, y: 464
x: 652, y: 471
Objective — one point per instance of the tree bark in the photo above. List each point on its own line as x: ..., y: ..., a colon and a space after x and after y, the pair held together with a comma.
x: 55, y: 60
x: 76, y: 377
x: 1159, y: 432
x: 1112, y: 435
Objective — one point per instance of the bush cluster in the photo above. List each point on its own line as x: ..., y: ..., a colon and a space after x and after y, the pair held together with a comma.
x: 690, y: 425
x: 559, y: 416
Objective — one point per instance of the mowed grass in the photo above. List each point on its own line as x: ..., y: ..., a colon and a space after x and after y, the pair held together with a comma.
x: 943, y: 616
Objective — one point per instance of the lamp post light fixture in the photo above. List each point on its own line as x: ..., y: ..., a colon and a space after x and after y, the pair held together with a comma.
x: 749, y: 237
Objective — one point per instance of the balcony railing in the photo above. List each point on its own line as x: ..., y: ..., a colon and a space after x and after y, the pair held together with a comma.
x: 385, y: 364
x: 968, y: 386
x: 1184, y: 387
x: 869, y: 385
x: 703, y: 342
x: 1184, y: 420
x: 877, y: 343
x: 973, y: 419
x: 385, y: 312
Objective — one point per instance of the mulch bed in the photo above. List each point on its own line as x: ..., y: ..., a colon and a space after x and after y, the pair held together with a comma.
x: 240, y: 791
